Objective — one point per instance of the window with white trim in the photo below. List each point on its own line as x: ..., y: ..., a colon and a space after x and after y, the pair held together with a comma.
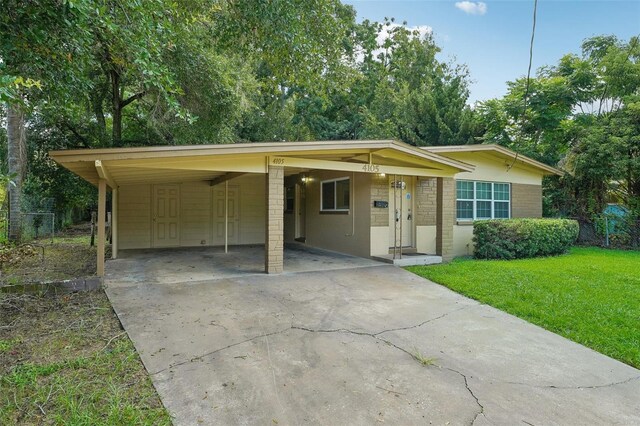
x: 482, y: 200
x: 335, y: 195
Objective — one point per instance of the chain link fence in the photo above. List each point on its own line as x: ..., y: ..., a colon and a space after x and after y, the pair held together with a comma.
x: 38, y: 226
x: 37, y: 220
x: 611, y: 230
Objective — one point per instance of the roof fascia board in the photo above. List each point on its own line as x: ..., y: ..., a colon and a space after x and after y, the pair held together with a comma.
x: 235, y: 148
x: 280, y: 148
x: 309, y: 163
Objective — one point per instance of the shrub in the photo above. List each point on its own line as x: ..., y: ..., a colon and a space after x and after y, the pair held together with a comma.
x: 522, y: 238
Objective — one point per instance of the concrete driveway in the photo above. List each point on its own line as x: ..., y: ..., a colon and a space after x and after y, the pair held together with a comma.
x: 345, y: 347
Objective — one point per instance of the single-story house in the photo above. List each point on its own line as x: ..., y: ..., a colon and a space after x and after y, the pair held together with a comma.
x: 365, y: 198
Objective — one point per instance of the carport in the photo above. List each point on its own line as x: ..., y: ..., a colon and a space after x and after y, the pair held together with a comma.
x: 332, y: 195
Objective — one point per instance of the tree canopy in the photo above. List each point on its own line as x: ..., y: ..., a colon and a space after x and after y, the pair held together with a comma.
x: 107, y: 73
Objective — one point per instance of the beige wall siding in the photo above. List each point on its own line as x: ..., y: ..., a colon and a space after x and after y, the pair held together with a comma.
x: 379, y: 240
x: 462, y: 240
x: 493, y: 169
x: 135, y: 230
x: 426, y: 239
x: 526, y: 200
x: 195, y: 201
x: 252, y: 208
x: 337, y: 231
x: 134, y: 216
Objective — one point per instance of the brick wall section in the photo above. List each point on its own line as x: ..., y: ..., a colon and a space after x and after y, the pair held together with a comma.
x: 445, y: 217
x: 379, y: 192
x: 526, y: 200
x: 274, y: 229
x: 426, y: 196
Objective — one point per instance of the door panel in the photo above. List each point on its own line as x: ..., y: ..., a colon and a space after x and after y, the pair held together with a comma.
x: 166, y: 216
x: 233, y: 215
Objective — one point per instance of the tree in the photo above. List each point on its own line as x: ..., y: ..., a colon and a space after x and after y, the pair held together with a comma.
x: 415, y: 97
x: 582, y: 114
x: 36, y: 45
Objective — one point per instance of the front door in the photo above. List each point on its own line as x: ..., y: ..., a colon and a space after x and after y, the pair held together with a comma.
x: 166, y: 215
x: 230, y: 204
x: 400, y: 212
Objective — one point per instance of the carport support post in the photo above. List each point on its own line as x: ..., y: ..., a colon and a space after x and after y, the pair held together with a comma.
x: 114, y: 223
x: 274, y: 229
x: 102, y: 213
x: 445, y: 213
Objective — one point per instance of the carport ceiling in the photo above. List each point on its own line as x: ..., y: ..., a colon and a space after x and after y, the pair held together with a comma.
x: 128, y: 166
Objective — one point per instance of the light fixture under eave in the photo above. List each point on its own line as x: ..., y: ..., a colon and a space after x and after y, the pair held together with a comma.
x: 381, y: 174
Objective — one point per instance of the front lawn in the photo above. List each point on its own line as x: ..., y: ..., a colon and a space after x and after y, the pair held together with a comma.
x: 591, y: 295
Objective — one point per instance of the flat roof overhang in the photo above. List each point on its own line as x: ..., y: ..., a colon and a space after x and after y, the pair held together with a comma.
x: 215, y: 163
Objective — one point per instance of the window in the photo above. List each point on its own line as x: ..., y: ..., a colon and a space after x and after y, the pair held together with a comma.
x: 482, y: 200
x: 289, y: 197
x: 335, y: 195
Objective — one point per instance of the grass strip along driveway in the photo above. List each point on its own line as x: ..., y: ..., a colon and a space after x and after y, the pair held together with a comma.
x: 590, y: 295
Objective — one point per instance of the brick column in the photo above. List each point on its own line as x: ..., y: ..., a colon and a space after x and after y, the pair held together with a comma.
x: 426, y: 205
x: 445, y: 214
x: 379, y: 192
x: 274, y: 229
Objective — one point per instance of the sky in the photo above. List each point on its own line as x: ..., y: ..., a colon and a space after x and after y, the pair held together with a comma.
x: 492, y: 37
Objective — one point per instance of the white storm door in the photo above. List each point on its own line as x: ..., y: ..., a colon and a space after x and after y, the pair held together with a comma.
x: 166, y: 216
x: 401, y: 212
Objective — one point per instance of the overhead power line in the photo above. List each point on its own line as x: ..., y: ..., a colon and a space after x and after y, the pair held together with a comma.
x: 528, y: 80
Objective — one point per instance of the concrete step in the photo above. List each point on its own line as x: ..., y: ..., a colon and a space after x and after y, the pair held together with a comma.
x: 409, y: 259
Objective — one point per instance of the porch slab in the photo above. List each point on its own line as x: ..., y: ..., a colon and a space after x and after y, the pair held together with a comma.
x: 410, y: 259
x: 196, y: 264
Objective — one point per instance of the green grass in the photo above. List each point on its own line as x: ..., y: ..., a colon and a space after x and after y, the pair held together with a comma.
x: 66, y: 360
x: 590, y: 295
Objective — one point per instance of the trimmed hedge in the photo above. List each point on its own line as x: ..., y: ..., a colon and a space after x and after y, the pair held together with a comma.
x: 522, y: 238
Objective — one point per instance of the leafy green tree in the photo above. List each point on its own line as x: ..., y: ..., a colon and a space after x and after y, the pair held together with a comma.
x: 415, y: 97
x: 39, y: 42
x: 583, y: 115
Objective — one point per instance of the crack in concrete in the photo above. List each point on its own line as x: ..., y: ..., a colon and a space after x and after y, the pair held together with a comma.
x: 412, y: 355
x: 375, y: 336
x: 293, y: 327
x: 199, y: 357
x: 466, y: 385
x: 424, y: 322
x: 606, y: 385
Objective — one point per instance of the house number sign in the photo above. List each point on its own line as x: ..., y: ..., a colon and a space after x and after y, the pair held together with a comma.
x: 371, y: 168
x: 366, y: 168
